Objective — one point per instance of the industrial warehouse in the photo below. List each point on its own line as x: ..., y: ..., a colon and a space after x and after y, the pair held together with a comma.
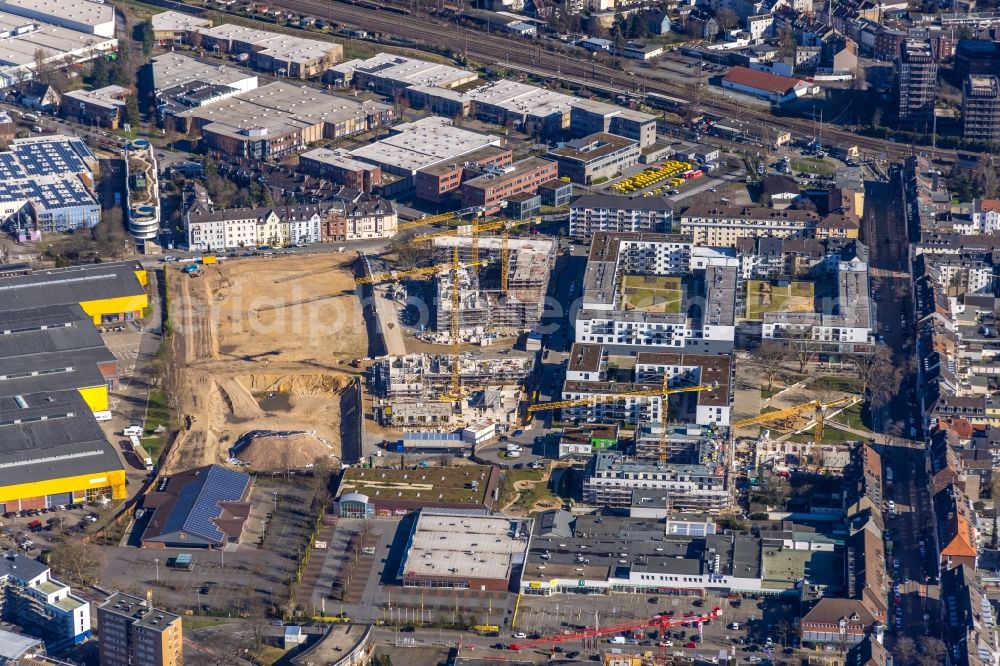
x: 55, y: 374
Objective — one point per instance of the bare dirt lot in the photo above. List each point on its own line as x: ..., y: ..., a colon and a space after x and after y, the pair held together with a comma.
x: 262, y: 344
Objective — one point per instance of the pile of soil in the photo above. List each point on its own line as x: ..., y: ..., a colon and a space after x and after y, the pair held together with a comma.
x: 277, y: 451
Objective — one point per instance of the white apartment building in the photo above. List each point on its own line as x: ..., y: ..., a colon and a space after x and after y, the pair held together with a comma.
x: 253, y: 227
x: 702, y: 318
x: 587, y: 377
x: 591, y: 213
x: 366, y: 216
x: 611, y: 479
x: 983, y: 218
x: 843, y: 323
x: 724, y: 226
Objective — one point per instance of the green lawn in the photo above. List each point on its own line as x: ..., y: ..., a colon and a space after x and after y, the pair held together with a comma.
x: 653, y: 293
x: 764, y: 296
x: 157, y: 414
x: 830, y: 436
x: 809, y: 165
x: 851, y: 417
x: 836, y: 383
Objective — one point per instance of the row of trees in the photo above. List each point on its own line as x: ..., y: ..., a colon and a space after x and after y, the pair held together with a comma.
x: 880, y: 377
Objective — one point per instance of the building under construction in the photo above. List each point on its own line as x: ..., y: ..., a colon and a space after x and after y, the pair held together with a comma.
x: 429, y: 375
x: 506, y: 295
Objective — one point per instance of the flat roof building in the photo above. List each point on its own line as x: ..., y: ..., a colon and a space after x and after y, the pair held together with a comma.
x: 46, y: 181
x: 498, y: 184
x: 389, y: 74
x: 595, y: 157
x: 94, y: 18
x: 639, y: 288
x: 589, y: 116
x: 421, y: 144
x: 108, y: 292
x: 273, y: 52
x: 569, y: 554
x: 591, y: 213
x: 55, y: 348
x: 104, y: 107
x: 61, y: 40
x: 135, y: 633
x: 173, y: 69
x: 981, y: 108
x: 280, y: 119
x: 387, y: 492
x: 40, y: 604
x: 464, y: 550
x: 171, y: 26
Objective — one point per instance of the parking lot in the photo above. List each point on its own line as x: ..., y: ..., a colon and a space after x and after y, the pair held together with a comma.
x: 249, y: 574
x: 746, y: 627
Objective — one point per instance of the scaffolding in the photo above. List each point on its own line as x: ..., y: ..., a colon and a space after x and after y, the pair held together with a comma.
x: 505, y: 297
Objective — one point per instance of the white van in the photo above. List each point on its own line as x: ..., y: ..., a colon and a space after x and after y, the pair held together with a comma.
x: 521, y: 635
x: 132, y: 431
x: 617, y: 640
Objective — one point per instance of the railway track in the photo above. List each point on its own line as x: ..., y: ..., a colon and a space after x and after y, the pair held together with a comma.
x: 532, y: 57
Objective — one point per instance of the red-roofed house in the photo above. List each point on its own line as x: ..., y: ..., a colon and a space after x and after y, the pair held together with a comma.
x: 769, y: 86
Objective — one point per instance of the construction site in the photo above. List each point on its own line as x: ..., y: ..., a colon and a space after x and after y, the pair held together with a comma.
x: 407, y: 389
x: 501, y: 284
x: 262, y: 351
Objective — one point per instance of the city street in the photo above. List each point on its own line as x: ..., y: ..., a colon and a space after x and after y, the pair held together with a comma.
x: 886, y: 235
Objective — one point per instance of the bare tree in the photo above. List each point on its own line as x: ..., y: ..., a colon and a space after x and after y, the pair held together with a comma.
x: 904, y: 650
x: 112, y: 238
x: 879, y: 376
x: 727, y: 19
x: 803, y: 348
x: 932, y: 651
x: 77, y: 561
x: 768, y: 360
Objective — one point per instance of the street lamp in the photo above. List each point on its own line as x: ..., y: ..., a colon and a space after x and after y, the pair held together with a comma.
x: 275, y: 494
x: 156, y: 560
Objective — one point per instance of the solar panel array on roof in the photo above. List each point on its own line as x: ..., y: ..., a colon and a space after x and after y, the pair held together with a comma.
x: 198, y: 503
x: 53, y: 158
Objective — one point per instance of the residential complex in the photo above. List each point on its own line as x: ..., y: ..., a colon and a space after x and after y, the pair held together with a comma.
x: 213, y: 231
x: 486, y: 304
x: 981, y: 109
x: 638, y: 290
x: 724, y: 226
x: 135, y: 633
x: 589, y: 378
x: 591, y: 213
x: 611, y: 481
x: 915, y: 78
x: 40, y: 604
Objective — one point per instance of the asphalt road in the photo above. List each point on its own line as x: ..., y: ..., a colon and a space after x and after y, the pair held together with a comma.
x: 886, y: 235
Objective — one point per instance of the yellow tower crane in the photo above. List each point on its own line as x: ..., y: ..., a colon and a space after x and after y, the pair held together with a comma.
x: 614, y: 397
x: 388, y: 276
x: 787, y: 415
x: 423, y: 222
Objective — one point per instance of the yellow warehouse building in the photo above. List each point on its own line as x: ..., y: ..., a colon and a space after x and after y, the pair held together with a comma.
x: 53, y: 452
